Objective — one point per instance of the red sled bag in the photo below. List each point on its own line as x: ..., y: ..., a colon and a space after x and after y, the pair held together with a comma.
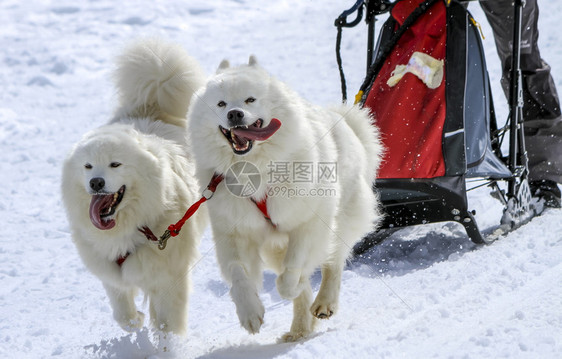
x: 408, y: 96
x: 429, y: 93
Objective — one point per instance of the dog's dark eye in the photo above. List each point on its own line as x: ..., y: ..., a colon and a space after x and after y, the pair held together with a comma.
x: 250, y: 100
x: 221, y: 104
x: 114, y: 164
x: 88, y: 166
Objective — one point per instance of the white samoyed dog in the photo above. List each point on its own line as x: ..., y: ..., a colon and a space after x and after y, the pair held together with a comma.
x: 124, y: 182
x: 298, y: 193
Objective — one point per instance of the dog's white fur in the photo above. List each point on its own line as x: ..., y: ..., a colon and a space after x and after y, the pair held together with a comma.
x: 147, y: 137
x: 310, y: 231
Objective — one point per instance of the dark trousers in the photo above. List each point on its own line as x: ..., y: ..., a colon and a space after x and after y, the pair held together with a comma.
x: 541, y: 106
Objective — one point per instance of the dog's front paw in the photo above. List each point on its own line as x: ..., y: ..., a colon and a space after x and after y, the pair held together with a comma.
x: 251, y: 315
x: 252, y: 322
x: 323, y: 310
x: 249, y: 308
x: 294, y: 336
x: 132, y: 324
x: 326, y: 302
x: 288, y: 284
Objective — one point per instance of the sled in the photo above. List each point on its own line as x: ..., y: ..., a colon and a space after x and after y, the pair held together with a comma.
x: 428, y: 89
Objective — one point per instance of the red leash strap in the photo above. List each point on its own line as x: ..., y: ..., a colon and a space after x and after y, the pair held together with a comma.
x: 174, y: 229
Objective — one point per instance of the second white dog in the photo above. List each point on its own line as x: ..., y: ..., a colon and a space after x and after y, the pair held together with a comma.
x: 297, y: 190
x: 125, y: 182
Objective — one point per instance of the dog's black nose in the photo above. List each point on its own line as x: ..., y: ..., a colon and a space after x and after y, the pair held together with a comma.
x: 235, y: 118
x: 97, y: 183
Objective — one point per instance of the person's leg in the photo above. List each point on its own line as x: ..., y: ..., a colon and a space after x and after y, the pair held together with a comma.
x: 540, y: 96
x: 541, y: 106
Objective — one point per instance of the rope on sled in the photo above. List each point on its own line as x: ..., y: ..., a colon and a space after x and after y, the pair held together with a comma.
x: 340, y: 23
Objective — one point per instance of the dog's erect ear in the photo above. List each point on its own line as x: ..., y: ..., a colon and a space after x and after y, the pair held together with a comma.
x: 253, y: 61
x: 223, y: 65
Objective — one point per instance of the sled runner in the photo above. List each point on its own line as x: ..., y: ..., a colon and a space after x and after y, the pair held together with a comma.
x: 428, y: 89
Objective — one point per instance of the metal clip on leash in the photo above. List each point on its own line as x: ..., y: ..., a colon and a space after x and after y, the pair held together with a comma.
x: 164, y: 239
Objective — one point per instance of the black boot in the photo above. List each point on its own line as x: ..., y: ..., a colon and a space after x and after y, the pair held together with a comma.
x: 548, y: 191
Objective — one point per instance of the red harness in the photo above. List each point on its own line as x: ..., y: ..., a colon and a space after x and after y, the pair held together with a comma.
x: 262, y: 206
x: 148, y: 234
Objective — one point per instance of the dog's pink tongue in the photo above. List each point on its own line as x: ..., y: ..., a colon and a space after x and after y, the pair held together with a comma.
x: 256, y: 133
x: 98, y: 203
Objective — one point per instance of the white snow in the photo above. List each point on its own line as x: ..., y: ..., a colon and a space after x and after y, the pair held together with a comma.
x: 425, y: 292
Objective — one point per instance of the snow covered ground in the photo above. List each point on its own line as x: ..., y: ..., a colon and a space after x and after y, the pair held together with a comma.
x: 425, y: 292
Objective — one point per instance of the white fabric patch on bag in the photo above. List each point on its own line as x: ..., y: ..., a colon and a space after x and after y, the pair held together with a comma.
x: 425, y: 67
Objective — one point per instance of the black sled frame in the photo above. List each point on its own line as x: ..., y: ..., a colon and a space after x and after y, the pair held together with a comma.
x: 408, y: 202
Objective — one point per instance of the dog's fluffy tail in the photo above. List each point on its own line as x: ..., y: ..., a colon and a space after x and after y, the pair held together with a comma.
x: 364, y: 128
x: 157, y: 79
